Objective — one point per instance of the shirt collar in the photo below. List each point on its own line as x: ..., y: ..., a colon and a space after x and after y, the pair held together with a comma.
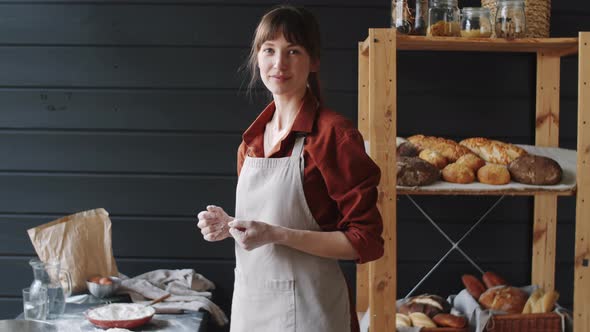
x: 303, y: 122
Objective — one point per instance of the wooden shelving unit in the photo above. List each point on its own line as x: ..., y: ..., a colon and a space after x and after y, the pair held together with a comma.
x: 376, y: 281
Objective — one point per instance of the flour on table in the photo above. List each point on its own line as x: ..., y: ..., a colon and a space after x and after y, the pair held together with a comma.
x: 121, y: 311
x: 116, y: 329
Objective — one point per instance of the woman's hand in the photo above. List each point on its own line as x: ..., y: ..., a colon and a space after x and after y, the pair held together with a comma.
x: 214, y: 223
x: 253, y: 234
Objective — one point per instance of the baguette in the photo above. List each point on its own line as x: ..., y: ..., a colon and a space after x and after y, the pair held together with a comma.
x: 446, y: 147
x: 531, y: 304
x: 448, y: 320
x: 493, y: 151
x: 473, y: 285
x: 548, y: 301
x: 491, y: 279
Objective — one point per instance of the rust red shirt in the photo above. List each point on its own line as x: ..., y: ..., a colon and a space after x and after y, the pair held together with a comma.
x: 339, y: 180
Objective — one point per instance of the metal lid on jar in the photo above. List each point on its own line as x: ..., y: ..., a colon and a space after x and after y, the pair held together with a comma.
x: 476, y: 11
x: 453, y: 3
x: 511, y: 2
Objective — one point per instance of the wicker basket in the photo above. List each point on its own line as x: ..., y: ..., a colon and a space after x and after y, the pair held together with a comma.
x: 537, y: 12
x: 550, y: 322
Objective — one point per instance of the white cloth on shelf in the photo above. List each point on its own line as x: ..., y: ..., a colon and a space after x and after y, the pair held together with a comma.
x: 189, y: 291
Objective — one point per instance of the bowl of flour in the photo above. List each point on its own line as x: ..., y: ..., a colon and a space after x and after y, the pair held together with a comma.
x: 120, y: 315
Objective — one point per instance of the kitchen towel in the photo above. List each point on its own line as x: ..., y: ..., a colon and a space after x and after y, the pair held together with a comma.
x: 189, y: 291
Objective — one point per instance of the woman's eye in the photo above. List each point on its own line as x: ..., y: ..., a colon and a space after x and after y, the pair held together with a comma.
x: 267, y: 50
x: 294, y: 52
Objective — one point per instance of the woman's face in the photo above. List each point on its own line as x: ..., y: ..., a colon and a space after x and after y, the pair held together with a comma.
x: 284, y: 67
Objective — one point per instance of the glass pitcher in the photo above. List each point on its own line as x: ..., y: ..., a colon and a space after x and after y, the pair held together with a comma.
x: 56, y: 280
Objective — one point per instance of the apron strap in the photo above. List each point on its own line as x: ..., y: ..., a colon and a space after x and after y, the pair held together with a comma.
x: 297, y: 154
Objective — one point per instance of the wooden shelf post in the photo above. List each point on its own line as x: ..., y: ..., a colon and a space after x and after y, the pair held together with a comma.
x: 362, y: 270
x: 382, y: 142
x: 547, y: 135
x: 582, y: 255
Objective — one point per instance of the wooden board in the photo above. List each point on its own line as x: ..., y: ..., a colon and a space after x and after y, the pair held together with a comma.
x: 383, y: 125
x: 582, y: 253
x: 545, y: 205
x: 562, y: 46
x: 362, y: 271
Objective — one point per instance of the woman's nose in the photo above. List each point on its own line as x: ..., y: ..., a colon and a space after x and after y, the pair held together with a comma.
x: 280, y: 61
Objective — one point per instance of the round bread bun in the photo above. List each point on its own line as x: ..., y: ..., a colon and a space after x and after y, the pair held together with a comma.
x: 493, y: 174
x: 458, y: 173
x: 434, y: 158
x: 472, y: 161
x: 504, y: 298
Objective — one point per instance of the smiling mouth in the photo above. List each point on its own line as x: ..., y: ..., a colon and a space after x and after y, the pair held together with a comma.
x: 279, y: 78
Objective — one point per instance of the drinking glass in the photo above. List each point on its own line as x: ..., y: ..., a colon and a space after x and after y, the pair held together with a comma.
x: 35, y: 303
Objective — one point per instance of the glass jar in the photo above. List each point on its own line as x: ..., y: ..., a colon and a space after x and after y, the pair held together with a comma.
x: 475, y: 22
x: 421, y: 17
x: 401, y: 16
x: 444, y: 19
x: 510, y: 19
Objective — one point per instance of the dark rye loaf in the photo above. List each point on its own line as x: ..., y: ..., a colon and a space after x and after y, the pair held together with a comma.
x: 413, y: 171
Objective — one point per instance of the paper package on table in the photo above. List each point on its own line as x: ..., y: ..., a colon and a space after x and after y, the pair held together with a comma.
x: 81, y: 242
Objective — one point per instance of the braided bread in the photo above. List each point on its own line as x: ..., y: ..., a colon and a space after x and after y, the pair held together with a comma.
x: 446, y: 147
x: 493, y: 151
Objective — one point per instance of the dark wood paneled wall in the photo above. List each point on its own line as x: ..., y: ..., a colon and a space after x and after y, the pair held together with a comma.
x: 138, y: 106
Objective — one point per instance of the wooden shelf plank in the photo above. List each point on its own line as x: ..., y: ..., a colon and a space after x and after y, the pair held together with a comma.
x: 558, y: 46
x: 471, y: 192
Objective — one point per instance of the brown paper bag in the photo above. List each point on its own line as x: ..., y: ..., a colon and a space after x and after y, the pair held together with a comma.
x: 81, y: 242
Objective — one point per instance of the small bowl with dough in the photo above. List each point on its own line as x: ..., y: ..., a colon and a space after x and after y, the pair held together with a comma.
x: 120, y: 315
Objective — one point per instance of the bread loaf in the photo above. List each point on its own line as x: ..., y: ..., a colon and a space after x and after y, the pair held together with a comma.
x: 472, y: 161
x: 493, y: 174
x: 473, y: 285
x: 413, y: 171
x: 537, y: 170
x: 504, y: 298
x: 493, y: 151
x: 532, y: 302
x: 434, y: 158
x: 458, y: 173
x: 446, y: 147
x: 491, y: 279
x: 407, y: 149
x: 448, y: 320
x: 548, y: 301
x: 428, y: 304
x: 421, y: 320
x: 402, y: 320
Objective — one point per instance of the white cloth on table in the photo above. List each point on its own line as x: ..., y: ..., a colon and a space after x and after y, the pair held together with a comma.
x: 189, y: 291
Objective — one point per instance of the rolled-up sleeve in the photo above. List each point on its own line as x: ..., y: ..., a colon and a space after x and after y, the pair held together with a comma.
x: 352, y: 178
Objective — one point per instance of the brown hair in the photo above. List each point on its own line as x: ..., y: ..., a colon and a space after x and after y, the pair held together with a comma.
x: 298, y: 26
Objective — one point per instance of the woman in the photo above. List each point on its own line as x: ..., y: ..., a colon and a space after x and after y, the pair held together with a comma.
x: 306, y: 193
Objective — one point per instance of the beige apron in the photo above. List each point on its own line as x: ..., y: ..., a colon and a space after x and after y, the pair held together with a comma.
x: 279, y: 289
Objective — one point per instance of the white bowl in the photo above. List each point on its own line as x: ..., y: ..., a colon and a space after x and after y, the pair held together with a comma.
x: 103, y: 291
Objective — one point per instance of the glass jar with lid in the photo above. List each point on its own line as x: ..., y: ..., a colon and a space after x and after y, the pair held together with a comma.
x: 444, y: 19
x: 475, y: 22
x: 510, y: 19
x: 401, y: 18
x: 421, y: 17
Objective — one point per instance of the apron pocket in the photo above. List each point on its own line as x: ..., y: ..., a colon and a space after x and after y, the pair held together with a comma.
x: 263, y: 305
